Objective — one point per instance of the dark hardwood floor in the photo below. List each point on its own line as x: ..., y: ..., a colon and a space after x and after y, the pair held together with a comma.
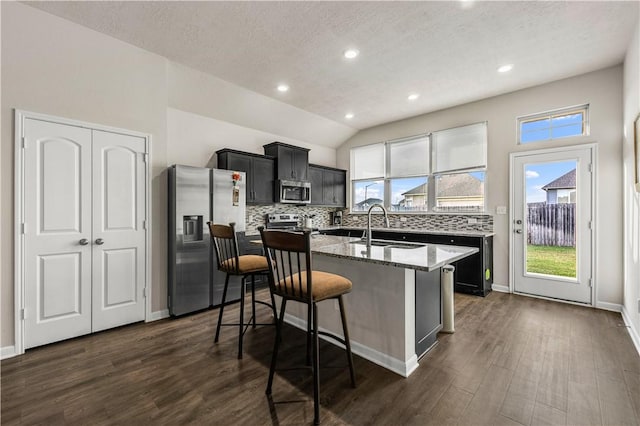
x: 513, y: 360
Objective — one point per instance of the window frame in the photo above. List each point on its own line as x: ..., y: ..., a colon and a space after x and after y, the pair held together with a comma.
x: 431, y: 176
x: 551, y: 114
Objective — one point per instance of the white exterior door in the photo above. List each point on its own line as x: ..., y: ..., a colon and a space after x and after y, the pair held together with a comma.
x: 57, y: 234
x: 84, y: 231
x: 551, y: 223
x: 118, y: 236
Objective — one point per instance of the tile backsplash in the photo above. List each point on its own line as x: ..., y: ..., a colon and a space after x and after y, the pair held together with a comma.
x: 256, y: 215
x: 428, y: 222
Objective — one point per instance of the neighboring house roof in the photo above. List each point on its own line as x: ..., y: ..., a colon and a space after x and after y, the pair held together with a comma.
x: 418, y: 190
x: 459, y: 184
x: 566, y: 181
x: 369, y: 202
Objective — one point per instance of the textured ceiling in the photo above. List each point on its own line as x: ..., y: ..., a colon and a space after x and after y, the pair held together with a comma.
x: 446, y: 51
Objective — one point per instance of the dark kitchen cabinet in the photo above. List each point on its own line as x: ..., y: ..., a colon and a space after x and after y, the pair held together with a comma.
x: 259, y: 169
x: 473, y: 274
x: 328, y: 186
x: 292, y: 162
x: 428, y: 310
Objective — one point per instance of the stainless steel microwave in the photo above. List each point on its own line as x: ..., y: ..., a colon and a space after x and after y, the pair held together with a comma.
x: 294, y: 192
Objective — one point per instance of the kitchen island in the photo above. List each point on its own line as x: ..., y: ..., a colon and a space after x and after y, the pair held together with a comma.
x: 394, y: 310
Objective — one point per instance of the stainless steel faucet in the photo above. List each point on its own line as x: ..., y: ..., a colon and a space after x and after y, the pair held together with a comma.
x: 386, y: 221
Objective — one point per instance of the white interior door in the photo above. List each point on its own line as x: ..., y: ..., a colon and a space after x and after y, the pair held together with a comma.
x: 551, y: 223
x: 118, y: 229
x: 57, y: 232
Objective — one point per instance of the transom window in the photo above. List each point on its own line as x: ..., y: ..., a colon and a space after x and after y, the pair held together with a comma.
x: 572, y: 121
x: 442, y: 171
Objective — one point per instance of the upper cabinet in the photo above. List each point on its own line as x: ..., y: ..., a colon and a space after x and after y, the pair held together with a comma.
x: 259, y: 170
x: 292, y: 162
x: 328, y: 186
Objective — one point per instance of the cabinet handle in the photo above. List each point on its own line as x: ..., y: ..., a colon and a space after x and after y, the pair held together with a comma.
x: 83, y: 242
x: 99, y: 241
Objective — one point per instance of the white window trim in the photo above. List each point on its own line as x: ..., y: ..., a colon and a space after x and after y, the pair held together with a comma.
x: 552, y: 113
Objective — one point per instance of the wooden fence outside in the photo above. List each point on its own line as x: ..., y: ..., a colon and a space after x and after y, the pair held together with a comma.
x: 551, y: 224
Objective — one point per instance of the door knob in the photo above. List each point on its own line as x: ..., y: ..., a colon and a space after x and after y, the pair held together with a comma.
x: 518, y: 222
x: 518, y: 231
x: 99, y: 241
x: 84, y: 242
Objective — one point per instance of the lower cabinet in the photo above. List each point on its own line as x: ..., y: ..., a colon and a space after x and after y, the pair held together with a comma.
x: 473, y: 274
x: 428, y: 310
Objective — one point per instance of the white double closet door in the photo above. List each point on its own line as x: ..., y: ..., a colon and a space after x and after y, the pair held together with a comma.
x: 84, y: 237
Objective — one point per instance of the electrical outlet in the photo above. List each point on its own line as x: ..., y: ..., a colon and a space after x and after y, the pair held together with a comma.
x: 250, y: 219
x: 501, y: 210
x: 403, y: 219
x: 472, y: 220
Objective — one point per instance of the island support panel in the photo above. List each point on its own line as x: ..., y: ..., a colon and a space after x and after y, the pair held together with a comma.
x: 381, y: 311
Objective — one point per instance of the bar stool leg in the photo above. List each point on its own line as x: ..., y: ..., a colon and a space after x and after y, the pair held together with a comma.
x: 241, y: 327
x: 316, y: 368
x: 276, y: 345
x: 253, y: 299
x: 347, y: 342
x: 224, y: 299
x: 309, y: 334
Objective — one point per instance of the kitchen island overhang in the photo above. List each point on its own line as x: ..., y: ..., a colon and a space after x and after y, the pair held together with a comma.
x: 395, y: 305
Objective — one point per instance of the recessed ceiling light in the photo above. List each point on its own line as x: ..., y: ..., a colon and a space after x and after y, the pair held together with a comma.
x: 283, y: 88
x: 348, y: 116
x: 413, y: 96
x: 466, y: 4
x: 351, y: 53
x: 505, y: 68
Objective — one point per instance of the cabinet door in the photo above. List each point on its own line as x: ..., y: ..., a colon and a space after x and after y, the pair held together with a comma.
x: 340, y: 189
x: 262, y: 181
x: 300, y: 164
x: 328, y: 185
x: 242, y: 163
x: 317, y: 186
x: 285, y: 163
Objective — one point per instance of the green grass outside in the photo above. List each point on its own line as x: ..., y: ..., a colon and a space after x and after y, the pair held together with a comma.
x: 551, y: 260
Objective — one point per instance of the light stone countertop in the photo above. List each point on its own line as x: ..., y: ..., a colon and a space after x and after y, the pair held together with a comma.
x: 426, y: 257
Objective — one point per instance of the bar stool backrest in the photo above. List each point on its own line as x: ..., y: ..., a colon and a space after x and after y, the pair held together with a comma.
x: 225, y: 243
x: 289, y: 259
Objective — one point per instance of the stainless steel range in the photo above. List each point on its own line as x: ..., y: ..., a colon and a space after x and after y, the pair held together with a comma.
x: 286, y: 221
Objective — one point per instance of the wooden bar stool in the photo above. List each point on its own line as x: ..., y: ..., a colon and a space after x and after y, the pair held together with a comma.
x: 292, y: 277
x: 229, y: 261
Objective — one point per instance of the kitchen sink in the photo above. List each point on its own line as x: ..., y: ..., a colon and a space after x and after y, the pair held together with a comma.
x: 391, y: 244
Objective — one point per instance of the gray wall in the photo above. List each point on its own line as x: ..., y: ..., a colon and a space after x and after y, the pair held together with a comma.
x: 55, y: 67
x: 603, y: 91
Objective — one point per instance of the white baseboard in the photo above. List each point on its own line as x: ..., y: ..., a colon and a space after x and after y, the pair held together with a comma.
x: 400, y: 367
x: 500, y: 288
x: 8, y: 352
x: 635, y: 336
x: 614, y: 307
x: 158, y: 315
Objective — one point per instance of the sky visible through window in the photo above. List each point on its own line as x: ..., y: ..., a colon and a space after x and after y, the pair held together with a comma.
x: 538, y: 175
x: 551, y: 128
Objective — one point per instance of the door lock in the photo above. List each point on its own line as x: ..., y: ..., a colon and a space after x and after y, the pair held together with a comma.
x: 518, y: 231
x: 518, y: 222
x: 83, y: 242
x: 99, y: 241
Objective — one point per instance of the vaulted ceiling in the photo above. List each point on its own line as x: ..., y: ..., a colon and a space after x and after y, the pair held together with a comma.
x: 447, y: 52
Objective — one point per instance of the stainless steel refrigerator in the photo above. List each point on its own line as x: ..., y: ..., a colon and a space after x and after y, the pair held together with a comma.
x: 198, y: 195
